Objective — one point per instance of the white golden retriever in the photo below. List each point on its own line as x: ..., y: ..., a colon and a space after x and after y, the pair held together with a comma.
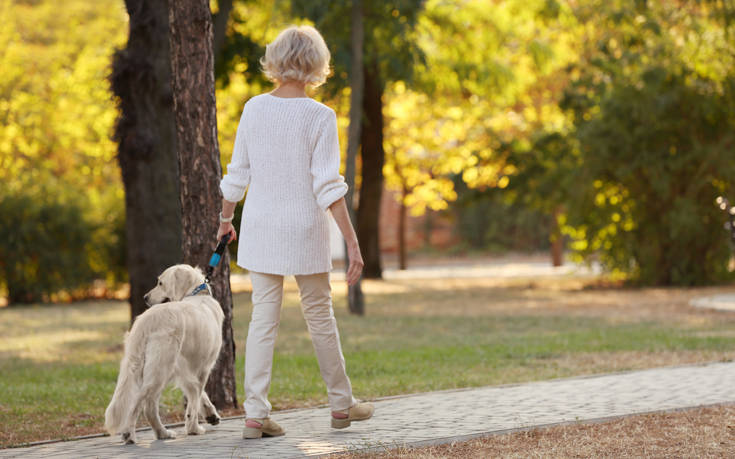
x: 177, y: 340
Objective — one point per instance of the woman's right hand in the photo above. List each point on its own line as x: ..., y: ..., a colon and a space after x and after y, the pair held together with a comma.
x: 226, y: 228
x: 354, y: 271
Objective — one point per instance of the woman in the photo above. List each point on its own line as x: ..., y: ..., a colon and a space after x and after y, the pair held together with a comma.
x: 287, y: 152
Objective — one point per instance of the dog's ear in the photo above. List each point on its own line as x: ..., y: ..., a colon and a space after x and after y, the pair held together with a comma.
x: 185, y: 279
x: 181, y: 283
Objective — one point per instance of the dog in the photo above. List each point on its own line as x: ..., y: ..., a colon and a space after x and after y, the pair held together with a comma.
x: 178, y: 339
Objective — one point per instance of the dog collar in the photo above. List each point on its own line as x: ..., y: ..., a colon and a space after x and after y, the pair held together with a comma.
x: 200, y: 288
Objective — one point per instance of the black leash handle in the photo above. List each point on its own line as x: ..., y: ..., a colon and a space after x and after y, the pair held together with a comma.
x: 217, y: 256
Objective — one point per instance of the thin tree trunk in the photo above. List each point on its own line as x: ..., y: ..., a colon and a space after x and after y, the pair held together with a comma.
x: 219, y: 21
x: 402, y: 264
x: 373, y: 158
x: 428, y: 228
x: 556, y: 239
x: 355, y: 298
x: 192, y: 65
x: 145, y: 133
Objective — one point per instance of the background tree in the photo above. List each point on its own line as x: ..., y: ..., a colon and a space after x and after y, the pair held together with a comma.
x: 469, y: 110
x: 652, y: 110
x: 544, y: 180
x: 192, y: 64
x: 56, y: 120
x: 390, y: 54
x: 415, y: 148
x: 220, y: 19
x: 355, y: 299
x: 145, y: 133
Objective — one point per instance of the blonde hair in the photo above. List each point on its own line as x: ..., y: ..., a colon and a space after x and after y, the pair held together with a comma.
x: 299, y: 53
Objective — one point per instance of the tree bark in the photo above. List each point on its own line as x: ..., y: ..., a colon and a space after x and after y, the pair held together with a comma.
x: 373, y: 158
x: 145, y: 133
x: 192, y: 65
x: 355, y: 297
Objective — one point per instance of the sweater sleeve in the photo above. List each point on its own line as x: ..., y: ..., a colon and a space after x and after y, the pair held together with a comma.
x: 328, y: 184
x: 237, y: 179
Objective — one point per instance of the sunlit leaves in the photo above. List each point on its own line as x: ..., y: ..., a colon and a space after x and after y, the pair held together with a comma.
x: 56, y: 113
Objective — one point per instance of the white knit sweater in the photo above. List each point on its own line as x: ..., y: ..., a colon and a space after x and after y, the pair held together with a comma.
x: 287, y: 151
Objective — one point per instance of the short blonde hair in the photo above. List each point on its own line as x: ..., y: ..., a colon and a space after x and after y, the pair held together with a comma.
x: 298, y: 53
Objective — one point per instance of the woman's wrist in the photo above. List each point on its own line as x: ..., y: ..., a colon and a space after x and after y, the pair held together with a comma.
x: 223, y: 219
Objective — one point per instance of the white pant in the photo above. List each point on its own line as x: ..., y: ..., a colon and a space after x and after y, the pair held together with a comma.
x: 316, y: 305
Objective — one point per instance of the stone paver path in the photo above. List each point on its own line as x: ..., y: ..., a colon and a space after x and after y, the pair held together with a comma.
x: 434, y: 417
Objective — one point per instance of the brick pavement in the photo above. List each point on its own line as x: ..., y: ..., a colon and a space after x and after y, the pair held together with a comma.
x: 432, y: 417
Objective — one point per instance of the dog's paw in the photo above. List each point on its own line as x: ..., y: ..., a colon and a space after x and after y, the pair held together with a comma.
x: 128, y: 439
x: 165, y: 434
x: 213, y: 419
x: 198, y: 430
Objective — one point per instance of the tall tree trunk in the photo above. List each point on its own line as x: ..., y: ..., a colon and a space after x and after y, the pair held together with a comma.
x: 556, y: 239
x: 192, y: 65
x: 355, y: 298
x: 219, y: 21
x: 145, y: 133
x: 402, y: 264
x: 373, y: 158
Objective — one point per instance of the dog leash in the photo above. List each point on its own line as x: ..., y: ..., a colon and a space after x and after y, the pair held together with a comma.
x: 216, y: 257
x: 213, y: 262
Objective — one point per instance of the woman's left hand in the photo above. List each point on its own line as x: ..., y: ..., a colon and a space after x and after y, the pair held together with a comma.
x: 227, y: 228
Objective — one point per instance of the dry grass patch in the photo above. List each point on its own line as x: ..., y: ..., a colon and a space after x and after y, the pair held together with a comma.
x: 702, y: 433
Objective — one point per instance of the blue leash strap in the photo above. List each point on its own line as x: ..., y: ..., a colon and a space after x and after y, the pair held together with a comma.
x: 217, y: 255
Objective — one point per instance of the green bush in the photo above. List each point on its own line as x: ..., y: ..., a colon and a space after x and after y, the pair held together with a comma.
x: 107, y: 248
x: 43, y: 246
x: 654, y: 158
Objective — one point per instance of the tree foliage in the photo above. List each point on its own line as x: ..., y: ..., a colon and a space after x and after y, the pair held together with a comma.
x: 653, y: 105
x: 55, y: 109
x: 56, y: 154
x: 616, y: 115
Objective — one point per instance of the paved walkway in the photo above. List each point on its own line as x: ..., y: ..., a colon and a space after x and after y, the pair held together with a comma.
x: 433, y: 417
x: 723, y: 302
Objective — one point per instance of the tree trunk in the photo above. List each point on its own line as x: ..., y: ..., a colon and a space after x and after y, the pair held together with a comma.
x: 402, y: 231
x: 145, y: 133
x: 219, y: 21
x: 192, y: 65
x: 556, y: 239
x: 355, y: 298
x: 373, y: 158
x: 428, y: 228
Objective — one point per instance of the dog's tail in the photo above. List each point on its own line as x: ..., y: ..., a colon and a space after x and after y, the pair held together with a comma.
x: 128, y: 384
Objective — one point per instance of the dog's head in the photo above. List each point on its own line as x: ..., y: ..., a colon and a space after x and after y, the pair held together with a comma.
x: 174, y: 284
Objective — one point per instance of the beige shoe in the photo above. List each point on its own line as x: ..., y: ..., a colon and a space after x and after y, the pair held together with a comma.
x: 263, y: 427
x: 358, y: 412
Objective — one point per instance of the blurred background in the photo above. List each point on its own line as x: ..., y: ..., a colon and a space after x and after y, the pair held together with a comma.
x: 597, y: 130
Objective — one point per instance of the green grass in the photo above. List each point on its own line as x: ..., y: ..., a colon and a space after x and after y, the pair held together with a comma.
x: 58, y: 364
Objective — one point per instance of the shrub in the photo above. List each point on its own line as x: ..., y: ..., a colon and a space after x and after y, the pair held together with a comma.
x: 43, y: 246
x: 654, y: 158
